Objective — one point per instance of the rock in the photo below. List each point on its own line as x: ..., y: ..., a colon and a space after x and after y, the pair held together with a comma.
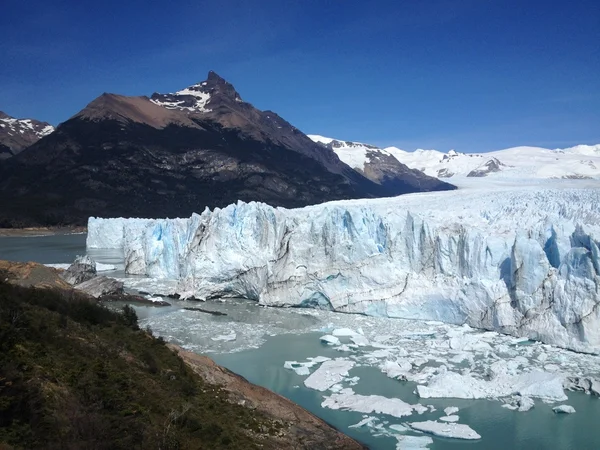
x: 128, y: 298
x: 82, y: 269
x: 563, y: 409
x: 101, y: 286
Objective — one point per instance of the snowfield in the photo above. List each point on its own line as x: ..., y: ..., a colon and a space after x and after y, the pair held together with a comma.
x: 521, y: 260
x: 581, y: 161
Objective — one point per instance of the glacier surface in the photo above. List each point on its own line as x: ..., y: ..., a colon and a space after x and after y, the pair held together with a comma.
x: 522, y: 261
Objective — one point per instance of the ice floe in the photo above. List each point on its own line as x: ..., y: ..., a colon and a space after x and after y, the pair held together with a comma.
x: 329, y: 373
x: 563, y: 409
x: 448, y: 430
x: 346, y: 399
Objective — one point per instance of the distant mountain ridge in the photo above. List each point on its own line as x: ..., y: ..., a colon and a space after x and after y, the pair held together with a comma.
x: 578, y: 162
x: 173, y: 154
x: 379, y: 165
x: 581, y: 161
x: 18, y: 134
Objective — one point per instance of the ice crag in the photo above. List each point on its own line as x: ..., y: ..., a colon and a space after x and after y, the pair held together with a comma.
x: 520, y: 261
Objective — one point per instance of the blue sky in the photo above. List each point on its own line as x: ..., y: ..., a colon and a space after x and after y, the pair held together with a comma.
x: 475, y: 75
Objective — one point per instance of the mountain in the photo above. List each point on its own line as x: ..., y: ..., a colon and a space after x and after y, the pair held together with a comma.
x: 582, y: 161
x: 17, y: 134
x: 170, y: 155
x: 380, y: 166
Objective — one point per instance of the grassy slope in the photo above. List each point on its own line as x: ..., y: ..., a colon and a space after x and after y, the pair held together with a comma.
x: 76, y: 375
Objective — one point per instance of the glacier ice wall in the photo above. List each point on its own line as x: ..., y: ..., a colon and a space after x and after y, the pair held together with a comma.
x: 520, y: 262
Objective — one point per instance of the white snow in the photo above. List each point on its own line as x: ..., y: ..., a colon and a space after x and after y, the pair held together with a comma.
x: 448, y: 430
x: 518, y: 162
x: 355, y: 154
x: 201, y: 99
x: 25, y: 125
x: 329, y: 373
x: 523, y: 260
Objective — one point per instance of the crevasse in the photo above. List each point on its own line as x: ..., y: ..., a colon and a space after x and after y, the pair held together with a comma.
x: 523, y: 262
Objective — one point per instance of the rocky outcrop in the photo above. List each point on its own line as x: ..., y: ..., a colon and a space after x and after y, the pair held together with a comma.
x: 491, y: 166
x: 299, y: 426
x: 18, y: 134
x: 82, y: 269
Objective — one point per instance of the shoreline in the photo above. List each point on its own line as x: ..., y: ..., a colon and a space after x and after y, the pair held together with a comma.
x: 41, y: 231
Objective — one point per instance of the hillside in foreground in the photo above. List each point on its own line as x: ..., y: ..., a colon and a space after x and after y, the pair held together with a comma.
x: 74, y: 374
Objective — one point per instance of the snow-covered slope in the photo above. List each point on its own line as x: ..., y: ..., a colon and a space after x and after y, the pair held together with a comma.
x: 17, y: 134
x: 524, y: 261
x: 355, y: 154
x: 381, y: 166
x: 582, y: 161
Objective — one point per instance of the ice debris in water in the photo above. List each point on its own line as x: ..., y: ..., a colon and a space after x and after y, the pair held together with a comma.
x: 447, y: 430
x: 232, y: 336
x: 329, y: 373
x: 563, y: 409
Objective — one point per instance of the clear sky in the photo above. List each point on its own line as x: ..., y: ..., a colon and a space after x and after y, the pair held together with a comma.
x: 474, y: 75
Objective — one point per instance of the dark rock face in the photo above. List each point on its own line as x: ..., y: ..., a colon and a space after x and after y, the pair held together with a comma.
x: 171, y: 155
x: 101, y: 286
x: 82, y: 269
x: 18, y: 134
x: 384, y: 169
x: 490, y: 166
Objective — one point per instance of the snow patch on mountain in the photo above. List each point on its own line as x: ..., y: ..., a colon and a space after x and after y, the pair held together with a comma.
x: 355, y: 154
x: 193, y: 98
x: 14, y: 127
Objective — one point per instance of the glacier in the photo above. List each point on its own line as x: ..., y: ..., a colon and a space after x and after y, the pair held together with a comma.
x: 518, y: 260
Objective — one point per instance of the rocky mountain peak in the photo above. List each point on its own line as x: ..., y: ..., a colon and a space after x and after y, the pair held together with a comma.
x: 200, y: 97
x: 18, y: 134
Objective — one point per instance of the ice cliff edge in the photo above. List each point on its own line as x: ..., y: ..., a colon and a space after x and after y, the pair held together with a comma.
x: 520, y: 262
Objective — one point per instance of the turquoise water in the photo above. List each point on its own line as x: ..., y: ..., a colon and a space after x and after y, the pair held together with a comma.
x: 500, y: 428
x: 43, y: 249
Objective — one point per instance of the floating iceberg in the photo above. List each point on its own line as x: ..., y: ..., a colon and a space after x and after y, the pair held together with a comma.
x: 522, y: 262
x: 448, y: 430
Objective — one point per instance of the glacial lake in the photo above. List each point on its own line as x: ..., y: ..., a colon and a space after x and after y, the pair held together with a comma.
x: 255, y: 342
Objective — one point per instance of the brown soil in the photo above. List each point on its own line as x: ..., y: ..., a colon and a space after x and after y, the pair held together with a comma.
x: 302, y: 429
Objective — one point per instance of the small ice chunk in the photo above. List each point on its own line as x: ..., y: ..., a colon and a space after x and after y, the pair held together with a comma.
x: 450, y: 410
x: 344, y: 332
x: 330, y: 340
x: 226, y: 337
x: 399, y: 428
x: 396, y: 369
x: 331, y: 372
x: 452, y: 418
x: 448, y: 430
x: 563, y: 409
x: 367, y: 421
